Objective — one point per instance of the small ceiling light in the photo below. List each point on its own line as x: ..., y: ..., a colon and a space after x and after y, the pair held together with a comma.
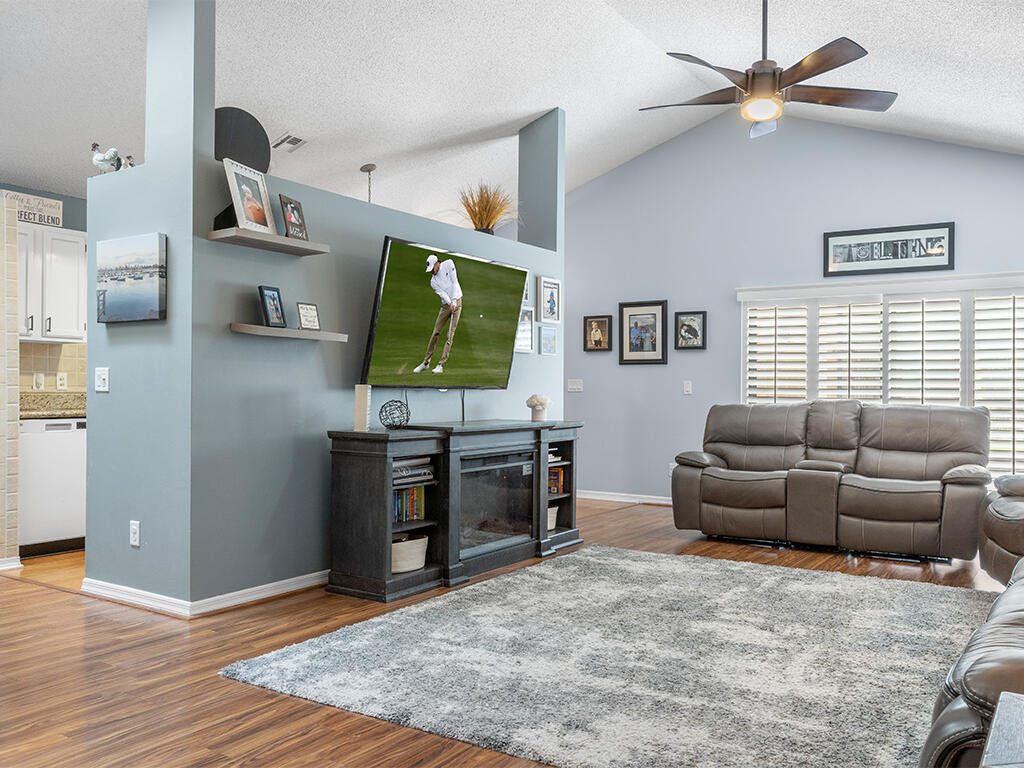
x: 758, y: 109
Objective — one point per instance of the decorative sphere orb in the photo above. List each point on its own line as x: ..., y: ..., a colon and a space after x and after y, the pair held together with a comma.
x: 394, y: 414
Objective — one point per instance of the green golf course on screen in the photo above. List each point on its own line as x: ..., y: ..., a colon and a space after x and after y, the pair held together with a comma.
x: 442, y: 320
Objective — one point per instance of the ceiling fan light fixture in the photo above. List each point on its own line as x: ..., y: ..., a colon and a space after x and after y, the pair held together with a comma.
x: 757, y: 109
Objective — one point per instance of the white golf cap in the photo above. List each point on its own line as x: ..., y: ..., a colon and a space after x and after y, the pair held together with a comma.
x: 431, y: 261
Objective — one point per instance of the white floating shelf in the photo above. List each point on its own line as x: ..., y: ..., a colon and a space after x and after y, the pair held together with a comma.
x: 287, y: 333
x: 289, y: 245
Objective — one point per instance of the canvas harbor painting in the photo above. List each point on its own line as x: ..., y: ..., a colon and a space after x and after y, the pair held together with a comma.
x: 131, y: 279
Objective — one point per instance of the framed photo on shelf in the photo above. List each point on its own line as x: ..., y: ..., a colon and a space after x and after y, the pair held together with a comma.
x: 597, y: 333
x: 692, y: 330
x: 524, y: 330
x: 917, y: 248
x: 643, y: 339
x: 549, y: 300
x: 249, y: 197
x: 294, y: 220
x: 271, y: 307
x: 549, y: 340
x: 309, y: 316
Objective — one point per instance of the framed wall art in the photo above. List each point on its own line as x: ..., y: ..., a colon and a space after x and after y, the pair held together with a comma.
x: 597, y: 333
x: 249, y: 197
x: 309, y: 316
x: 131, y: 279
x: 549, y: 300
x: 294, y: 219
x: 271, y: 307
x: 549, y: 340
x: 917, y: 248
x: 692, y: 330
x: 524, y: 330
x: 642, y: 338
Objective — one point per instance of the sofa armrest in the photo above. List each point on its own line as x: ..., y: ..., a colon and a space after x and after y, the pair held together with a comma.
x: 1018, y: 573
x: 991, y: 675
x: 967, y: 474
x: 824, y: 466
x: 700, y: 459
x: 956, y: 738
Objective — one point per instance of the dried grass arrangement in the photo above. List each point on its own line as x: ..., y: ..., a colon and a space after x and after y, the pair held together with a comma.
x: 486, y: 205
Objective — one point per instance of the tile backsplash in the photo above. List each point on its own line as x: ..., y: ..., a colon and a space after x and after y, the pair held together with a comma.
x: 51, y: 359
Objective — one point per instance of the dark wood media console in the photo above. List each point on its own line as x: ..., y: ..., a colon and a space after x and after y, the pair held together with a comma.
x: 484, y: 505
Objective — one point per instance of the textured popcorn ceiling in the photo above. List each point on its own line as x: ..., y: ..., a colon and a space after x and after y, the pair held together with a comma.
x: 434, y: 93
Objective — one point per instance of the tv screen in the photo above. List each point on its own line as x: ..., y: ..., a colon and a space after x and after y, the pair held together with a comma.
x: 442, y: 320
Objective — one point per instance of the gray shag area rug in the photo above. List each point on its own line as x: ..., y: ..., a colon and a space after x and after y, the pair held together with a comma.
x: 610, y: 657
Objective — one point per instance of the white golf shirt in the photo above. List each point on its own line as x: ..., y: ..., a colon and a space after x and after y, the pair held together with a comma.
x: 446, y: 283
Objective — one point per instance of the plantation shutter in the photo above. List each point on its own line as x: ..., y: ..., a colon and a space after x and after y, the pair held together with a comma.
x: 776, y: 354
x: 923, y: 351
x: 999, y: 376
x: 850, y: 351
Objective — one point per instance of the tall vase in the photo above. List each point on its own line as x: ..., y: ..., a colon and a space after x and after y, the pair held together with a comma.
x: 538, y: 413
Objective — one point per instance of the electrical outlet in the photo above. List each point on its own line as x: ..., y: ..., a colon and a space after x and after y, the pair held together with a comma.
x: 687, y: 387
x: 102, y: 382
x: 62, y: 381
x: 38, y: 381
x: 133, y: 533
x: 575, y: 385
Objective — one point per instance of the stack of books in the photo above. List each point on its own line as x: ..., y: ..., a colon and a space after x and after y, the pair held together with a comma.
x: 410, y: 504
x: 556, y: 480
x: 414, y: 471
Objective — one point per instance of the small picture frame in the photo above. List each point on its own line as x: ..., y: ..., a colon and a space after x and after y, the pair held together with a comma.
x: 294, y: 219
x: 524, y: 330
x: 309, y: 316
x: 526, y: 292
x: 548, y: 340
x: 549, y: 300
x: 692, y: 330
x: 597, y: 333
x: 272, y: 307
x: 643, y: 338
x: 250, y: 197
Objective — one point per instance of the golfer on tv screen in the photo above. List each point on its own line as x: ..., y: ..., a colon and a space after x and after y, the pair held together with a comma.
x: 445, y: 282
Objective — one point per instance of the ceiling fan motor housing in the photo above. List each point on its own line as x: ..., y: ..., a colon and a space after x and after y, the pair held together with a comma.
x: 763, y: 79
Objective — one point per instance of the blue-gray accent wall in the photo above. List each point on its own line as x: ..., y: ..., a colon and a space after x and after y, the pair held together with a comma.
x: 710, y: 211
x: 74, y: 207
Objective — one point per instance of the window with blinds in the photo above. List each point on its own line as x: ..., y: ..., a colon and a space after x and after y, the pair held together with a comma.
x: 999, y: 376
x: 850, y: 351
x: 776, y: 354
x: 923, y: 351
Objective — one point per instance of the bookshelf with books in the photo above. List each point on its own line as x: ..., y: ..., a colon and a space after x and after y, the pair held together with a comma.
x: 560, y: 497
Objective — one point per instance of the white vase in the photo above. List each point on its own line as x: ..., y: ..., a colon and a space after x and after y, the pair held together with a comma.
x: 539, y: 413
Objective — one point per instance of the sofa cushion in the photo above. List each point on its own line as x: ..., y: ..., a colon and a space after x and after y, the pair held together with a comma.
x: 757, y: 437
x: 744, y: 490
x: 879, y: 498
x: 1010, y: 485
x: 920, y: 442
x: 833, y: 430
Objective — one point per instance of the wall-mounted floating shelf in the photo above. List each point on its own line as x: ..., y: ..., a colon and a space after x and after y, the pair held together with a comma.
x: 263, y: 241
x: 287, y: 333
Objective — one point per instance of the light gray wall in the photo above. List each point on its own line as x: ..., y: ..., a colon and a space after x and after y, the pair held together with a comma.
x: 74, y: 207
x: 695, y: 218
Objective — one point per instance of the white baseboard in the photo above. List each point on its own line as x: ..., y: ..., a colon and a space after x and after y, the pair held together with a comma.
x: 10, y: 562
x: 187, y: 609
x: 628, y: 498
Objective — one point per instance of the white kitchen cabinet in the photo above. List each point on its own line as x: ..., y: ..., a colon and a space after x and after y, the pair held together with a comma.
x: 52, y: 284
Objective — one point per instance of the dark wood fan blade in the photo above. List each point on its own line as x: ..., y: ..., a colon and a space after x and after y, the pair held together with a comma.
x: 837, y: 53
x: 739, y: 79
x: 852, y: 98
x: 730, y: 95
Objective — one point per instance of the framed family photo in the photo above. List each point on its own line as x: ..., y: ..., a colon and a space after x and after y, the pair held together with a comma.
x: 597, y: 333
x: 524, y: 330
x: 692, y: 330
x: 249, y: 197
x: 642, y: 339
x: 549, y: 300
x: 918, y: 248
x: 294, y: 219
x: 271, y: 307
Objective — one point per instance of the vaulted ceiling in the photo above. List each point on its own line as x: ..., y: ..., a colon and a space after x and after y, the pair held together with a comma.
x: 434, y: 92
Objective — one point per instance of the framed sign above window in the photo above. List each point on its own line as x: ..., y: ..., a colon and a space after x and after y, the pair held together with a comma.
x: 919, y: 248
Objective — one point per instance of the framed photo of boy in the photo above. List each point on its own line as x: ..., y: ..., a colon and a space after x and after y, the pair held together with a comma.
x: 643, y: 339
x: 271, y: 307
x: 250, y: 197
x: 549, y: 300
x: 294, y: 219
x: 597, y: 333
x: 692, y: 330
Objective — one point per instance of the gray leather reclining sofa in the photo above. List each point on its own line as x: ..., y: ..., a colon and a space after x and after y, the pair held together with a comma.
x: 906, y: 479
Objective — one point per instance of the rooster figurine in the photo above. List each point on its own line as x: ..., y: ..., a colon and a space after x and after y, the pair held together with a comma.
x: 105, y: 161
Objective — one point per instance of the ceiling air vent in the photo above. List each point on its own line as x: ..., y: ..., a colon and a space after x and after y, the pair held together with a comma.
x: 288, y: 143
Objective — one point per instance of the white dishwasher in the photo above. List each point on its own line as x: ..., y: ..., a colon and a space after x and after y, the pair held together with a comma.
x: 52, y: 480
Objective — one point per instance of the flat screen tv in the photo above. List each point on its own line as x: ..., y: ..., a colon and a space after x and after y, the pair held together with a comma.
x: 420, y: 291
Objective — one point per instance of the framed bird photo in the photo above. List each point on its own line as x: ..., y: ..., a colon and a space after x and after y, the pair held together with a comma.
x: 692, y: 330
x: 249, y: 197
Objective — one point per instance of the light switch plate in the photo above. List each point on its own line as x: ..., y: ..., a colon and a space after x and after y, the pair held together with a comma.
x: 102, y: 382
x: 575, y: 385
x: 62, y: 382
x: 687, y: 387
x: 38, y: 381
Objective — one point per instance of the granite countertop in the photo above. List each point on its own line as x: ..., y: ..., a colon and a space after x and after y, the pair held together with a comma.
x: 52, y: 405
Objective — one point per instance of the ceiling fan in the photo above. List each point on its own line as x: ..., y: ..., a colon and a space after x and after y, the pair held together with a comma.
x: 764, y: 87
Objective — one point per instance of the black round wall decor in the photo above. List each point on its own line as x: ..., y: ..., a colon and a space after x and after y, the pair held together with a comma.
x: 240, y: 137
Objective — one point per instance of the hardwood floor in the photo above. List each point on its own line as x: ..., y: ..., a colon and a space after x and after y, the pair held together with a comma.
x: 85, y: 682
x: 64, y: 571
